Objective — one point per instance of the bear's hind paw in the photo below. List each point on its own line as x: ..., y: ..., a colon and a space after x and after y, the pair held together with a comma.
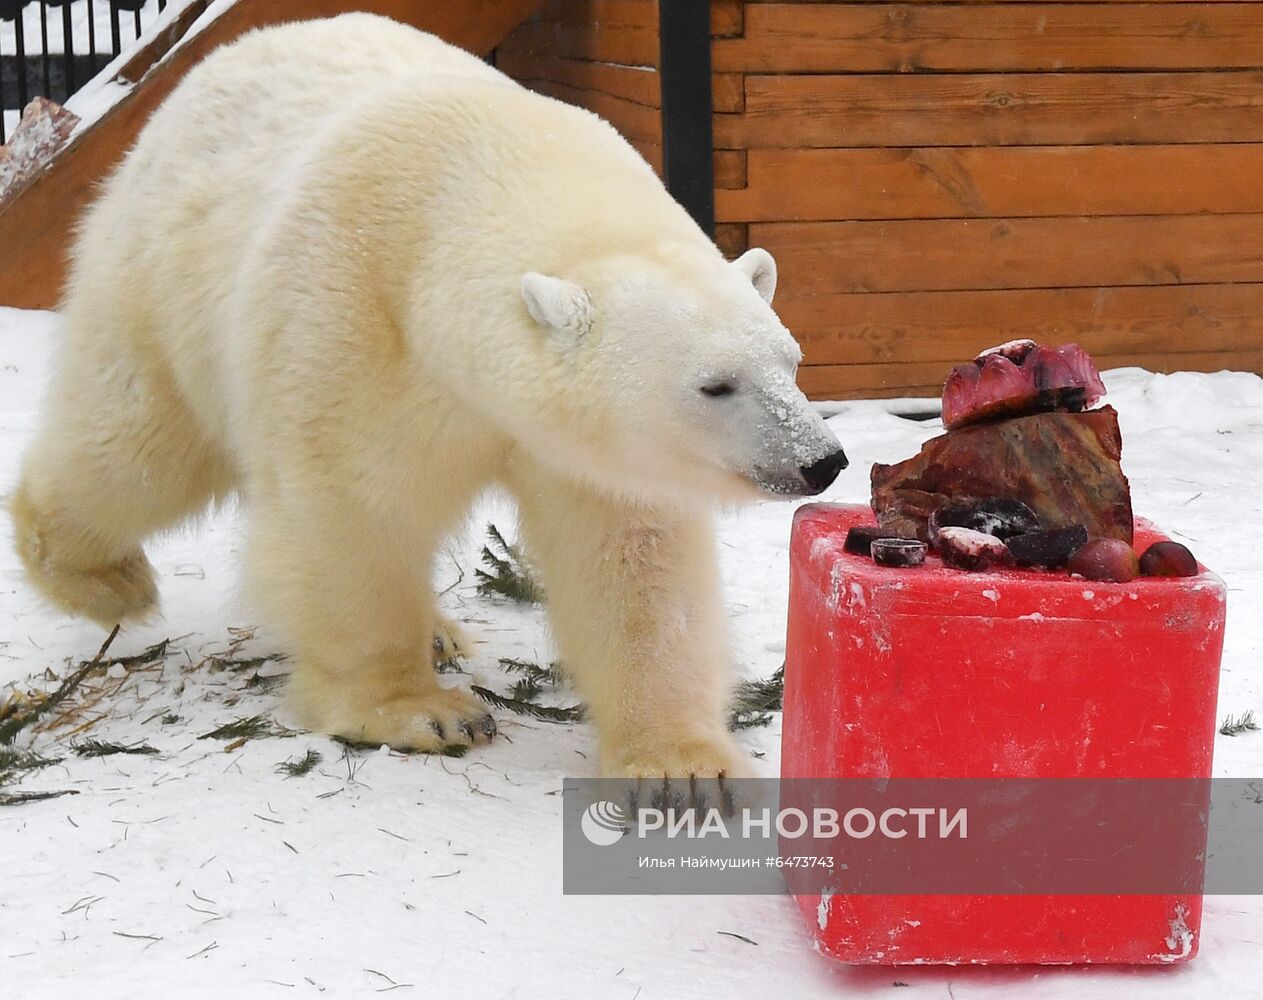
x: 444, y: 721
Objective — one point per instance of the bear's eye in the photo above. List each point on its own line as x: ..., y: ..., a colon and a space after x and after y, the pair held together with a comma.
x: 717, y: 390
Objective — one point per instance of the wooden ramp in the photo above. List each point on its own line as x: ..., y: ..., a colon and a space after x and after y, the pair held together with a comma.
x: 37, y: 220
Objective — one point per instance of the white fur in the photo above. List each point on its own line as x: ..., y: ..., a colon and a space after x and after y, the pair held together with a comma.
x: 359, y: 276
x: 559, y: 305
x: 759, y: 266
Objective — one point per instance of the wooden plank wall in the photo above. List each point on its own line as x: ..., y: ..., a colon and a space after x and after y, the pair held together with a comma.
x: 599, y: 54
x: 934, y: 177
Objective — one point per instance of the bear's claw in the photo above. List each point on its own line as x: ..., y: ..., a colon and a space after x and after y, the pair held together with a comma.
x: 473, y: 730
x: 667, y: 794
x: 450, y: 641
x: 687, y: 775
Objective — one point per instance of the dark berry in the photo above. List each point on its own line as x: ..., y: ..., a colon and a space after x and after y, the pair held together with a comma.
x: 1106, y: 559
x: 1168, y: 559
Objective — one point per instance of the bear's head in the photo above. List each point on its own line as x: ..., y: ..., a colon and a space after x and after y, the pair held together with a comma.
x: 674, y: 378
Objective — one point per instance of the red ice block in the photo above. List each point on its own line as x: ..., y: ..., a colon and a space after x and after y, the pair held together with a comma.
x: 940, y: 673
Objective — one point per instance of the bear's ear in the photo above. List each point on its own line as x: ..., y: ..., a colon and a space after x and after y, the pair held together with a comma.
x: 560, y: 305
x: 759, y: 266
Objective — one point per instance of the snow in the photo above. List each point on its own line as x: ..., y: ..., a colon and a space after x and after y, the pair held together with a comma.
x: 203, y: 872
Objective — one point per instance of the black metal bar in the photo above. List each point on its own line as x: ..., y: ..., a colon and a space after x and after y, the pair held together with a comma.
x: 19, y: 47
x: 68, y: 50
x: 136, y: 20
x: 43, y: 52
x: 115, y: 41
x: 4, y: 109
x: 92, y: 36
x: 688, y: 145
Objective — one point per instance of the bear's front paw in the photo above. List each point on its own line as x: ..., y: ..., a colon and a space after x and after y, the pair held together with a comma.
x: 688, y: 773
x: 445, y: 720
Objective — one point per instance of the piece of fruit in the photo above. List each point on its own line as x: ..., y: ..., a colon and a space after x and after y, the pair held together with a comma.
x: 993, y: 515
x: 1020, y: 378
x: 1168, y: 559
x: 1050, y: 549
x: 903, y: 552
x: 859, y: 540
x: 1105, y: 559
x: 964, y: 548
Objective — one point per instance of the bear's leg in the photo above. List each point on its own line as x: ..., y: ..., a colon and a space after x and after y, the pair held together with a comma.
x: 633, y: 598
x: 118, y: 458
x: 351, y: 598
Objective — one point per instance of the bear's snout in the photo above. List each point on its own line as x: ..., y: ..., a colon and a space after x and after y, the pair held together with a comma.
x: 820, y: 475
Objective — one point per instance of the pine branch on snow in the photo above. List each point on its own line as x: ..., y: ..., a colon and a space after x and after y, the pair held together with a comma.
x: 15, y: 763
x: 303, y: 765
x: 1243, y: 724
x: 521, y: 706
x: 508, y: 575
x: 103, y: 748
x: 248, y: 728
x: 754, y: 701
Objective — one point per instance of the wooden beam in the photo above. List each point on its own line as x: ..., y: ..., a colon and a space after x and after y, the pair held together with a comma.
x: 995, y: 181
x: 956, y: 37
x: 991, y: 109
x: 945, y: 254
x: 921, y: 379
x: 946, y: 327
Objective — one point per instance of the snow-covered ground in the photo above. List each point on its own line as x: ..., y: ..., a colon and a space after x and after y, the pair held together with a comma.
x: 202, y: 871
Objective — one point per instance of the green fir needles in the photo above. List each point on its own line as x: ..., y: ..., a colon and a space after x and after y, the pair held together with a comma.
x: 525, y: 706
x: 14, y: 763
x: 507, y: 575
x: 751, y: 705
x: 103, y: 748
x: 754, y: 701
x: 21, y: 798
x: 298, y: 767
x: 21, y: 719
x: 1244, y: 723
x: 533, y: 679
x: 248, y: 728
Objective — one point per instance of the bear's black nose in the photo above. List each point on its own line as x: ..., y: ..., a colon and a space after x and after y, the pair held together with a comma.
x: 820, y: 475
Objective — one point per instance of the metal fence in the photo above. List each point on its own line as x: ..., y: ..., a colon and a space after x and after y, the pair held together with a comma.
x: 51, y: 48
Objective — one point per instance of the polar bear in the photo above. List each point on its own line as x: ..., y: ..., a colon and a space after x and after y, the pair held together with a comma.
x: 357, y: 276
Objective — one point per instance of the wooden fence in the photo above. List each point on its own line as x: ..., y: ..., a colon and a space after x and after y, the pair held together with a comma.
x: 934, y: 177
